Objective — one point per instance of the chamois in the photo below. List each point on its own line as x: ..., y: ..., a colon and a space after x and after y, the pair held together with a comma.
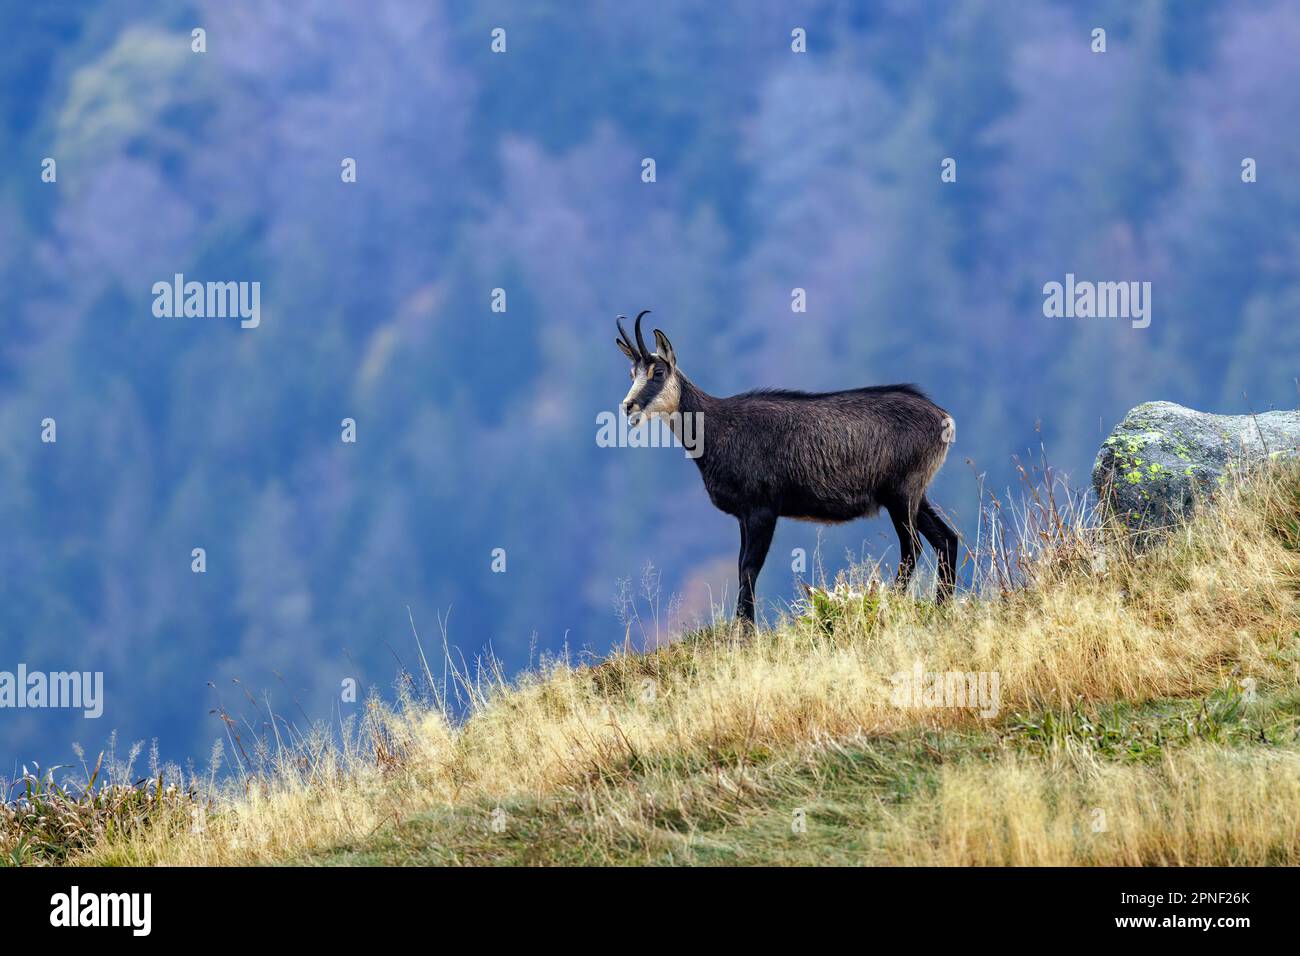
x: 828, y: 457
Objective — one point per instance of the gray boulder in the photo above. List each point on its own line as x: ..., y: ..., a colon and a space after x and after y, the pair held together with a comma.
x: 1163, y: 458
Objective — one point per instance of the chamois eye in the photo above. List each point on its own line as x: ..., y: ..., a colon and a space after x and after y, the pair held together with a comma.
x: 659, y: 371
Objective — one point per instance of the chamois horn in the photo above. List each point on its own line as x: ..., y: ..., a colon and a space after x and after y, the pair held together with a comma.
x: 640, y: 342
x: 623, y: 334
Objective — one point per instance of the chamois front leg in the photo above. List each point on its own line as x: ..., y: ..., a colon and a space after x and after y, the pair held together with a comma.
x: 756, y: 531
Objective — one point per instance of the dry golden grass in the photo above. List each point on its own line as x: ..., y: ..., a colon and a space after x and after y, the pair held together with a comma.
x: 1213, y: 606
x: 1199, y: 806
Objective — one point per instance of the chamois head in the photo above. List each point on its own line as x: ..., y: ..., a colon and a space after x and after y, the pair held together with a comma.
x: 655, y: 387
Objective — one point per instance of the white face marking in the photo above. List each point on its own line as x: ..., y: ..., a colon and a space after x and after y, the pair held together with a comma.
x: 638, y: 380
x: 663, y: 405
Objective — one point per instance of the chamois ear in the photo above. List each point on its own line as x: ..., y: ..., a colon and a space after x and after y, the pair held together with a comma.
x: 623, y: 347
x: 665, y: 348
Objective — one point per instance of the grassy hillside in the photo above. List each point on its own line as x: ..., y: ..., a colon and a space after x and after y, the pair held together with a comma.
x: 1148, y: 713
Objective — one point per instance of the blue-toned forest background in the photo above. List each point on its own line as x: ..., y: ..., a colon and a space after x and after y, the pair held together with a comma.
x: 476, y: 430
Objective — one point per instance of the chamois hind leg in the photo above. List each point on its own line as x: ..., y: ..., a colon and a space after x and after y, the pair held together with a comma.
x: 740, y: 569
x: 944, y: 541
x: 903, y: 515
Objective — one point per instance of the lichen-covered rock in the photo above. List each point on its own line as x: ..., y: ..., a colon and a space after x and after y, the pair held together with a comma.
x: 1163, y: 458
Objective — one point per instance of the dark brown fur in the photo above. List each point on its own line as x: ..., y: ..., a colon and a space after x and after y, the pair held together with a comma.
x: 829, y: 457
